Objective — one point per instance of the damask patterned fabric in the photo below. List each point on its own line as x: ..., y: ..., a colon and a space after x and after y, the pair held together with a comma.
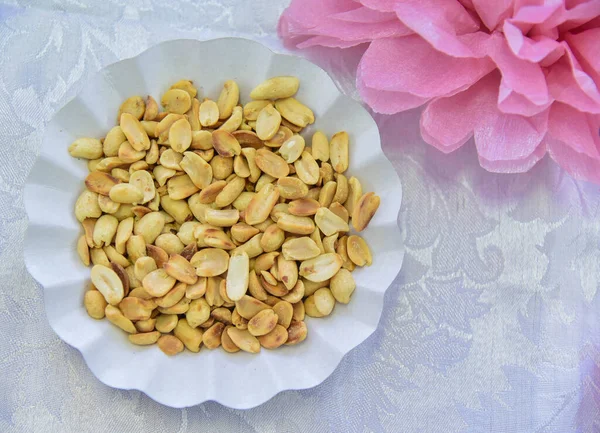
x: 492, y: 325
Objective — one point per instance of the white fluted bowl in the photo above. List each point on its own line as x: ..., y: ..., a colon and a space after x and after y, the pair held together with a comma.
x: 237, y: 380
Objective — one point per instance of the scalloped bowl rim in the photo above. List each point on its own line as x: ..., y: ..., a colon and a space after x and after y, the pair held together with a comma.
x: 259, y: 399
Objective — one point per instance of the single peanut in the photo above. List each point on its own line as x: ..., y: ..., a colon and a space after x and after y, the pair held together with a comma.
x: 338, y: 151
x: 169, y: 344
x: 297, y: 333
x: 176, y: 101
x: 190, y: 337
x: 244, y: 340
x: 95, y: 304
x: 364, y: 210
x: 144, y: 338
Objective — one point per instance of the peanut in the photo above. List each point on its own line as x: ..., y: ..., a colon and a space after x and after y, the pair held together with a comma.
x: 186, y: 85
x: 179, y: 308
x: 237, y: 276
x: 230, y: 192
x: 226, y: 341
x: 87, y: 148
x: 180, y: 135
x: 262, y: 203
x: 212, y: 336
x: 302, y: 248
x: 197, y: 290
x: 340, y: 211
x: 291, y: 188
x: 271, y: 163
x: 176, y: 101
x: 247, y: 307
x: 137, y: 308
x: 342, y: 286
x: 244, y: 340
x: 158, y: 282
x: 364, y: 210
x: 228, y: 99
x: 329, y: 223
x: 87, y: 206
x: 209, y: 113
x: 126, y: 193
x: 114, y: 316
x: 297, y: 333
x: 190, y: 337
x: 303, y: 207
x: 108, y: 283
x: 95, y: 304
x: 276, y: 88
x: 181, y: 269
x: 210, y: 262
x: 292, y: 148
x: 113, y: 140
x: 358, y: 251
x: 262, y: 323
x: 295, y: 224
x: 134, y: 105
x: 281, y: 136
x: 295, y: 112
x: 320, y: 146
x: 284, y: 311
x: 169, y: 344
x: 307, y: 169
x: 165, y: 323
x: 267, y: 122
x: 145, y: 325
x: 338, y: 151
x: 144, y: 338
x: 272, y: 238
x: 151, y: 109
x: 321, y: 268
x: 83, y: 250
x: 135, y: 132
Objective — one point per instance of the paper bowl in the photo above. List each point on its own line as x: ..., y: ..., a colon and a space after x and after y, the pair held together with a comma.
x: 236, y: 380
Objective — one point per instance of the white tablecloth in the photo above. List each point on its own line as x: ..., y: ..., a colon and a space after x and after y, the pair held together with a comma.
x: 491, y: 327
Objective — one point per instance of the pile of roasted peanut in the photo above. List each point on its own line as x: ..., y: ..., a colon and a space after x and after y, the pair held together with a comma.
x: 212, y: 223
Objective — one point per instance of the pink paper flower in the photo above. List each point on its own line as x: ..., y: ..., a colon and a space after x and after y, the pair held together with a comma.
x: 520, y: 76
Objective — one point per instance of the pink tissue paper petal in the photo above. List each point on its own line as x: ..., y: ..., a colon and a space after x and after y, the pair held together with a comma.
x: 327, y: 41
x: 380, y: 5
x: 586, y: 48
x: 468, y: 4
x: 492, y: 13
x: 514, y: 166
x: 448, y: 122
x: 523, y: 77
x: 308, y: 14
x: 532, y: 50
x: 577, y: 165
x: 507, y: 137
x: 511, y: 102
x: 334, y: 25
x: 580, y: 14
x: 386, y: 102
x: 347, y: 31
x: 534, y: 12
x: 363, y: 14
x: 439, y: 22
x: 569, y: 84
x: 411, y: 65
x: 578, y: 130
x: 498, y: 136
